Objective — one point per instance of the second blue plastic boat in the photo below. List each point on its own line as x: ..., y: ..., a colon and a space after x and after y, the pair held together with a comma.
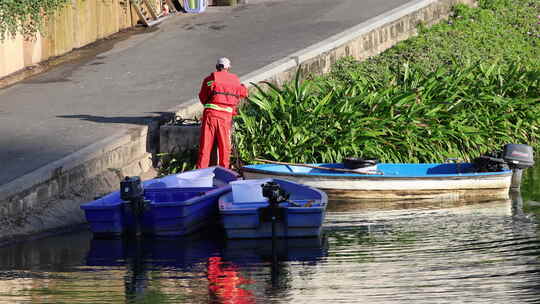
x: 175, y: 208
x: 303, y: 214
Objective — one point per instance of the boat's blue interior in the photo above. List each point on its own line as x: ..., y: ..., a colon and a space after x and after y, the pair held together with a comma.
x: 157, y: 189
x: 224, y: 176
x: 387, y: 169
x: 169, y: 195
x: 221, y: 177
x: 302, y: 203
x: 296, y: 191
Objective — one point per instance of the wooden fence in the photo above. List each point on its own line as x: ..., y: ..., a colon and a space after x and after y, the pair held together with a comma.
x: 77, y: 24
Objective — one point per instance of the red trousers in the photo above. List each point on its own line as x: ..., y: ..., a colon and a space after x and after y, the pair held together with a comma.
x: 215, y: 125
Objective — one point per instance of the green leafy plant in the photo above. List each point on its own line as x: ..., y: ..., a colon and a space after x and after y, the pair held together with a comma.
x: 177, y: 161
x: 423, y: 116
x: 26, y: 17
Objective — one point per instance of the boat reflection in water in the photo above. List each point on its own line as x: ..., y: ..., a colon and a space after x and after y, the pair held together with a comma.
x: 234, y: 270
x: 502, y: 206
x: 150, y: 260
x: 248, y: 268
x: 373, y: 218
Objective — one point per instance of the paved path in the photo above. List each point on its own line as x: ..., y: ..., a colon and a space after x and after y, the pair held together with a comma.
x: 64, y: 110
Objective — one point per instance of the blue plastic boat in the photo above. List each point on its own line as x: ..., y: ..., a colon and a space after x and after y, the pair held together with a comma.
x: 177, y: 205
x: 302, y: 215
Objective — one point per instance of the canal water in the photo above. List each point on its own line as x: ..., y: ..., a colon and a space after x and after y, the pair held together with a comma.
x: 394, y: 253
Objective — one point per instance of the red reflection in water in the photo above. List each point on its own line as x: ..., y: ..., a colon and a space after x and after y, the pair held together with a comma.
x: 225, y: 283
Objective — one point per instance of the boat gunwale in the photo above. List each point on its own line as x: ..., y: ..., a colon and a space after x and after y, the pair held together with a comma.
x: 254, y: 206
x: 376, y: 177
x: 219, y: 183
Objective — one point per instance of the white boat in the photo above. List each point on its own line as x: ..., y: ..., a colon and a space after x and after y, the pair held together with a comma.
x: 397, y: 181
x: 489, y: 178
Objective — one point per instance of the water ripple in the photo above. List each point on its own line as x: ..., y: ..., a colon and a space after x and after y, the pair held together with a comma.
x: 479, y: 253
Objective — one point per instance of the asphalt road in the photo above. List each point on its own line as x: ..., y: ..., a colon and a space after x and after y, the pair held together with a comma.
x: 50, y: 116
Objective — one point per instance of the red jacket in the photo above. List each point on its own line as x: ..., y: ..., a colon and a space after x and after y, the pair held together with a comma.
x: 223, y: 89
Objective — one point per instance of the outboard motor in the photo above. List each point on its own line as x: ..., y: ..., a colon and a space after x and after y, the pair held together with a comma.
x: 131, y: 188
x: 273, y: 212
x: 274, y: 193
x: 132, y: 192
x: 518, y: 157
x: 513, y: 156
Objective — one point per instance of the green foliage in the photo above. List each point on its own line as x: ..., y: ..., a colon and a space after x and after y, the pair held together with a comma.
x: 503, y: 31
x: 461, y: 88
x: 177, y: 161
x: 26, y: 17
x: 422, y: 116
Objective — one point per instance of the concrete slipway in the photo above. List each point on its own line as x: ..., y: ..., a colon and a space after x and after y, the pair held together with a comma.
x: 72, y: 133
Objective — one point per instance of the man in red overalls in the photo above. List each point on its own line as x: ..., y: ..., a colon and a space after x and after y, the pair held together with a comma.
x: 220, y: 94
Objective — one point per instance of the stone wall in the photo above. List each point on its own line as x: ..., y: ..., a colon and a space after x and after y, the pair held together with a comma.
x: 49, y: 198
x: 178, y: 137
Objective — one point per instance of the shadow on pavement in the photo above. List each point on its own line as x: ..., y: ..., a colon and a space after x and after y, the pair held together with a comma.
x: 135, y: 120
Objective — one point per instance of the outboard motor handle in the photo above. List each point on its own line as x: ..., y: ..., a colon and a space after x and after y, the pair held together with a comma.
x: 493, y: 159
x: 274, y: 193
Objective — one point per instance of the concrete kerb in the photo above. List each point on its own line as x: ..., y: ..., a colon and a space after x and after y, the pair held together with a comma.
x: 358, y: 31
x: 295, y: 60
x: 137, y: 137
x: 65, y: 164
x: 270, y: 72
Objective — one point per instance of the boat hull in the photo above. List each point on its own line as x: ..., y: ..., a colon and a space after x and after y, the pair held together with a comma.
x: 177, y: 218
x: 107, y: 219
x: 301, y: 222
x: 380, y: 187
